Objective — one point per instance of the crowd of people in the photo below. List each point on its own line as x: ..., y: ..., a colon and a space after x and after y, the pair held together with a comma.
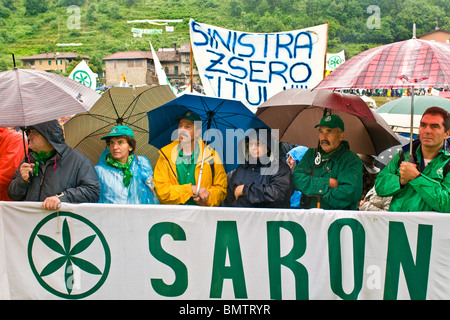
x: 188, y: 172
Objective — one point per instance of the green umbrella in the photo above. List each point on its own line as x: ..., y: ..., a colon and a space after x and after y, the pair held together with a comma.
x: 397, y: 113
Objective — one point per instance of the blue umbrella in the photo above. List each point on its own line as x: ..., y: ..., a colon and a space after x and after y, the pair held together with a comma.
x: 225, y: 119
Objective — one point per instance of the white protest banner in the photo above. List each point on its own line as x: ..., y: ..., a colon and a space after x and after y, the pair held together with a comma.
x: 84, y: 75
x: 252, y: 67
x: 334, y: 60
x: 4, y: 283
x: 157, y: 21
x: 94, y: 251
x: 146, y: 31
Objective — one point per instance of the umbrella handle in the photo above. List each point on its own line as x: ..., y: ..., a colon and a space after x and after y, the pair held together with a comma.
x: 201, y: 172
x: 24, y: 146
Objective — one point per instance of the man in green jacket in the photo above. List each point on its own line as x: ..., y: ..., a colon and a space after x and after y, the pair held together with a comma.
x: 330, y: 176
x: 425, y: 184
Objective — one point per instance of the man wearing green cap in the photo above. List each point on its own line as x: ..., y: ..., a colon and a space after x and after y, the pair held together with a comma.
x: 124, y: 177
x: 178, y: 168
x: 329, y: 176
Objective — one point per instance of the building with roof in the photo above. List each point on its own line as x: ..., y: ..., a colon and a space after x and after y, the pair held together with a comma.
x: 57, y: 61
x: 136, y: 66
x: 438, y: 35
x: 139, y: 69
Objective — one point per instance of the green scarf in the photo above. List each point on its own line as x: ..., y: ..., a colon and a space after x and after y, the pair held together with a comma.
x: 124, y: 166
x: 41, y: 157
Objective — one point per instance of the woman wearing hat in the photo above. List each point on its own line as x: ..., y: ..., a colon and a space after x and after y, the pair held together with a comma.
x: 124, y: 177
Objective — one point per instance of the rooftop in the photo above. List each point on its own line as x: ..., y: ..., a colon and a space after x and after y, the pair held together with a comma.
x: 55, y: 55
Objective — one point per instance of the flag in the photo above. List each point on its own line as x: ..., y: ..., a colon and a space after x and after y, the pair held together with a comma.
x: 123, y: 81
x: 334, y: 60
x: 84, y: 75
x: 162, y: 77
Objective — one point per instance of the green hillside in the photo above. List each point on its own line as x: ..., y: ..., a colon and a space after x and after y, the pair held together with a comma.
x: 30, y: 27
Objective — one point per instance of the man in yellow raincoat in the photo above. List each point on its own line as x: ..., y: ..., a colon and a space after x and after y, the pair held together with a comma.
x: 178, y: 168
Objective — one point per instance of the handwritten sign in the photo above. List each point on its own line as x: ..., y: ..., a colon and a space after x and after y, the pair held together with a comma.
x: 252, y: 67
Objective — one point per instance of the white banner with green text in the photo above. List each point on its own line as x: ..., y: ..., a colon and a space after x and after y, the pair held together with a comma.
x: 94, y: 251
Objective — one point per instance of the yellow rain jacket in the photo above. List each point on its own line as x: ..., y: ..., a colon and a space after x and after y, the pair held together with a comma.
x: 169, y: 191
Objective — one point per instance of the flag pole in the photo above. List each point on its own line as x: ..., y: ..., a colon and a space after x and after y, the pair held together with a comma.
x: 325, y: 56
x: 191, y: 71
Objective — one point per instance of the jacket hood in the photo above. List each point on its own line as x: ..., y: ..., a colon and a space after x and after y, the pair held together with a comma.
x: 53, y: 132
x: 261, y: 134
x: 297, y: 153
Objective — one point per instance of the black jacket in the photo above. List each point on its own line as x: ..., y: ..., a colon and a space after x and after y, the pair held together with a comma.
x: 69, y: 172
x: 261, y: 190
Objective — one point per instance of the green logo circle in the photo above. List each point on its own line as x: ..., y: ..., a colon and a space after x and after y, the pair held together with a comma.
x: 334, y: 62
x: 83, y: 78
x: 63, y: 265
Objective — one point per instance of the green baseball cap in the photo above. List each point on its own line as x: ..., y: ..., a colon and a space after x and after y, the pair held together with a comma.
x: 189, y: 115
x: 331, y: 121
x: 119, y: 131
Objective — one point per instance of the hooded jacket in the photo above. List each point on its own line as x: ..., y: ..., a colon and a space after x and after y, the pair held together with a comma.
x: 430, y: 191
x: 11, y: 154
x: 68, y: 172
x: 169, y: 191
x: 267, y: 182
x: 313, y: 179
x: 113, y: 190
x: 297, y: 154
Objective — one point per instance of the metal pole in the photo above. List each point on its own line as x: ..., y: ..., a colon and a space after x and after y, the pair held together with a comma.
x: 411, y: 156
x: 208, y: 126
x: 191, y: 71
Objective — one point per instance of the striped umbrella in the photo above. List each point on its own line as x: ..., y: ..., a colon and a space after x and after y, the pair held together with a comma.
x: 396, y: 65
x: 405, y: 64
x: 29, y: 97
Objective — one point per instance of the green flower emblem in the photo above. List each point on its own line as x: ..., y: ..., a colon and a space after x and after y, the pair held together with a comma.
x: 82, y: 77
x: 334, y: 62
x: 67, y: 257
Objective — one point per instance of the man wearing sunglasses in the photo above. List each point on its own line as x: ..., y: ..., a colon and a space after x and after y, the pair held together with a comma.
x: 52, y: 172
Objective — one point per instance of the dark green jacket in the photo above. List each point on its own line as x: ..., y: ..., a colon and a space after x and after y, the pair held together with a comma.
x: 344, y: 165
x: 430, y: 191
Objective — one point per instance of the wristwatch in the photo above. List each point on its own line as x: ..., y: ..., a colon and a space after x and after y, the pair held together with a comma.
x: 59, y: 195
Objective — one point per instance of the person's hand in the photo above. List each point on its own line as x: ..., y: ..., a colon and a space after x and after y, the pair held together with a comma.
x: 408, y: 171
x: 51, y: 203
x: 203, y: 196
x: 239, y: 191
x: 333, y: 183
x: 25, y: 170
